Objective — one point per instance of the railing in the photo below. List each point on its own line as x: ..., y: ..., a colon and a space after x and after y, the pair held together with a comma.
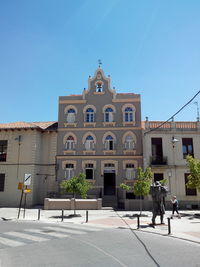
x: 158, y: 160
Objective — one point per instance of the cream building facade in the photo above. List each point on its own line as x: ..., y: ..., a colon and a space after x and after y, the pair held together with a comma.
x: 100, y: 134
x: 165, y: 147
x: 27, y: 148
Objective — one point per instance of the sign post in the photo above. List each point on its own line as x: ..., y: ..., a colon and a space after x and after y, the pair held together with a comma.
x: 24, y: 187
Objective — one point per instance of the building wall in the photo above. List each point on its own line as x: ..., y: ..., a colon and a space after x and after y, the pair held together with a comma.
x: 34, y: 154
x: 99, y: 129
x: 176, y: 168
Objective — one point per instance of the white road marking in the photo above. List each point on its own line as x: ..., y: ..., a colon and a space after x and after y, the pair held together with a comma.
x: 60, y: 229
x: 26, y: 236
x: 10, y: 243
x: 84, y: 227
x: 39, y: 231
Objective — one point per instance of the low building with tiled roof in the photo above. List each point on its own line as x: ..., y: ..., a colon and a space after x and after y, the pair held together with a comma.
x: 27, y: 148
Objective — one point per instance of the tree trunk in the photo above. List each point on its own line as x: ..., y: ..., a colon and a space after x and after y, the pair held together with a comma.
x: 140, y: 205
x: 74, y: 204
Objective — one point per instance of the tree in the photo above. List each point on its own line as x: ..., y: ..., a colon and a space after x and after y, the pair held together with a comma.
x: 76, y: 185
x: 194, y: 176
x: 142, y: 184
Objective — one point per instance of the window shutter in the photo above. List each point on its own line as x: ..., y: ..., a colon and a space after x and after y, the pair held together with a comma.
x: 110, y: 116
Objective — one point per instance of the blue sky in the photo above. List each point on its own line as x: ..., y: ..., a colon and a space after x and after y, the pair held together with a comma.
x: 48, y: 48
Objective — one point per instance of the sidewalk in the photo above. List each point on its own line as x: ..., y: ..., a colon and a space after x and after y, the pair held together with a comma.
x: 188, y: 227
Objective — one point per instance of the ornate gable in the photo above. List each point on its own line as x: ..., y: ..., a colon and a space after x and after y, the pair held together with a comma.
x: 99, y: 84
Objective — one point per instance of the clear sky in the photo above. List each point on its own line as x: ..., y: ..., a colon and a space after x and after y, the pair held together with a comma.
x: 48, y: 48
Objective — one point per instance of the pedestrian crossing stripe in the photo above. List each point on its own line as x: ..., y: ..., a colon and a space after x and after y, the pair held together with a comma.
x: 8, y: 239
x: 60, y: 229
x: 27, y: 236
x: 40, y: 231
x: 82, y: 227
x: 10, y: 242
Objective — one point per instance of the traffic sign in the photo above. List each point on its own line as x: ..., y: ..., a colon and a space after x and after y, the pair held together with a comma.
x: 27, y: 191
x: 27, y: 179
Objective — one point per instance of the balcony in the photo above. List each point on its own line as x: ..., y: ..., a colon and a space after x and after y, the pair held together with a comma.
x: 158, y: 160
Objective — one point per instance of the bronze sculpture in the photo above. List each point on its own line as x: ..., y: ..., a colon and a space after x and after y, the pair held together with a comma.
x: 158, y: 193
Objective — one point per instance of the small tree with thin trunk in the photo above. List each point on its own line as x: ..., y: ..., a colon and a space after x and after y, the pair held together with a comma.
x: 76, y: 185
x: 194, y: 176
x: 142, y: 184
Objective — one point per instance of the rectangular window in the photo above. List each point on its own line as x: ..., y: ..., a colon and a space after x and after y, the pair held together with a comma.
x: 69, y: 171
x: 158, y: 176
x: 130, y: 172
x: 2, y: 181
x: 189, y: 191
x: 89, y: 171
x: 157, y: 151
x: 3, y: 150
x: 187, y: 147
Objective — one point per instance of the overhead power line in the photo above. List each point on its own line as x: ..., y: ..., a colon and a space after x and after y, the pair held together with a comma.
x: 159, y: 126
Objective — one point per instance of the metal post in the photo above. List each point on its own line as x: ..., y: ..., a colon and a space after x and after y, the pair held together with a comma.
x: 138, y: 221
x: 62, y: 218
x: 169, y: 226
x: 38, y: 214
x: 86, y: 216
x: 20, y: 203
x: 25, y: 203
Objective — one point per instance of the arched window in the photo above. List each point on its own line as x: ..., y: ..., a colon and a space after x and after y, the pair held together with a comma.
x: 109, y: 143
x: 89, y: 142
x: 69, y: 145
x: 129, y: 143
x: 128, y: 114
x: 71, y: 115
x: 130, y: 171
x: 108, y: 115
x: 89, y: 115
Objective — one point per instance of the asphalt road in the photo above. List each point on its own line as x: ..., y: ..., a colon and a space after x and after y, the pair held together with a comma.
x: 64, y: 244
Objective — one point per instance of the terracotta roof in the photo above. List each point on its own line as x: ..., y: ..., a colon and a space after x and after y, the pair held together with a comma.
x: 27, y: 125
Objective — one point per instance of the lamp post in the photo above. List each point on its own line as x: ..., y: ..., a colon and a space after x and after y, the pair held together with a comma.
x: 174, y: 141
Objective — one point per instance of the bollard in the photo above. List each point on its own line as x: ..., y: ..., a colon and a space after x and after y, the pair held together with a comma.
x: 62, y: 217
x: 86, y: 216
x: 38, y: 214
x: 169, y: 226
x: 138, y: 221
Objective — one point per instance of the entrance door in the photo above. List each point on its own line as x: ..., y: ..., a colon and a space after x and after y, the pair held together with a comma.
x: 109, y: 183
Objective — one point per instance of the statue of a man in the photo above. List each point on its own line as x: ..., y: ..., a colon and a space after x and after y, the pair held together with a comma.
x: 158, y: 193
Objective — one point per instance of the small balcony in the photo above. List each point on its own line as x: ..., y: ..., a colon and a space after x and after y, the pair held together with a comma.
x: 158, y: 160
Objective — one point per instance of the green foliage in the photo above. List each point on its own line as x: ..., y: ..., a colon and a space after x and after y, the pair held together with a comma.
x: 163, y: 182
x: 194, y: 177
x: 76, y: 185
x: 125, y: 187
x: 143, y: 182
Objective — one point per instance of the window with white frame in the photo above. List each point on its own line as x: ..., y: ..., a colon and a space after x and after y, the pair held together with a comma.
x: 129, y: 143
x: 69, y: 145
x: 130, y: 171
x: 128, y: 114
x: 108, y: 115
x: 71, y: 115
x: 89, y: 171
x: 109, y: 143
x: 89, y: 143
x: 69, y: 171
x: 89, y: 115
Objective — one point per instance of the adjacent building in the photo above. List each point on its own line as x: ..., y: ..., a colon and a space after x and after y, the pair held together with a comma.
x: 166, y: 146
x: 27, y: 148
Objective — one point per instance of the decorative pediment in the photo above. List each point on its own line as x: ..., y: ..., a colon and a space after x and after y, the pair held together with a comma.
x: 99, y: 84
